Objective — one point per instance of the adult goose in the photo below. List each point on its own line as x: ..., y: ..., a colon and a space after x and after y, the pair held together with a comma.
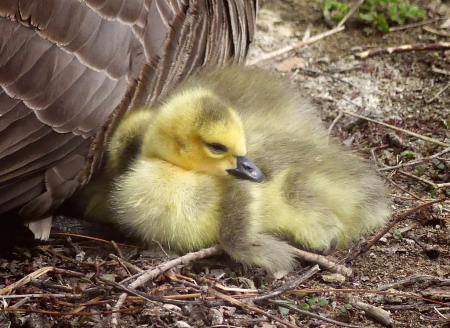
x: 71, y: 69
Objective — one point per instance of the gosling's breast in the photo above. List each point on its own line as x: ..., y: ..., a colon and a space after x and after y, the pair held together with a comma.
x: 165, y: 203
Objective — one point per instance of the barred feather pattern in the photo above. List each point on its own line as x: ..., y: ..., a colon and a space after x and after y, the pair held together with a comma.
x: 69, y: 69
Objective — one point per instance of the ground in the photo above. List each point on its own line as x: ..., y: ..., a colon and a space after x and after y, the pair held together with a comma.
x: 395, y: 88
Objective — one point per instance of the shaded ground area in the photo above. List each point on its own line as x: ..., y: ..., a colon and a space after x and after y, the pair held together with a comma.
x: 398, y: 89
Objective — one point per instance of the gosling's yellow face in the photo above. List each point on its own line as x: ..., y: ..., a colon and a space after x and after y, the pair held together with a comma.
x: 217, y: 141
x: 204, y: 134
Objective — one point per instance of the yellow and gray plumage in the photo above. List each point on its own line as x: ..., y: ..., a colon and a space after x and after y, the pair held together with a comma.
x: 69, y: 69
x: 313, y: 194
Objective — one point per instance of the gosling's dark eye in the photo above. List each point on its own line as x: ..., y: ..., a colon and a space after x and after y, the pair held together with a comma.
x: 217, y: 147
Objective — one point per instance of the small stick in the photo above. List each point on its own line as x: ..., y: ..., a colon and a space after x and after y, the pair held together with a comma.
x: 79, y: 314
x: 126, y: 263
x: 440, y: 71
x: 313, y: 71
x: 313, y: 315
x: 334, y: 122
x: 245, y: 306
x: 297, y: 45
x: 42, y: 296
x: 118, y: 250
x: 152, y: 273
x: 91, y: 238
x: 323, y: 262
x: 93, y: 301
x: 369, y: 291
x: 404, y: 27
x: 442, y: 152
x: 432, y: 30
x: 403, y: 189
x: 440, y: 143
x: 414, y: 279
x: 443, y: 185
x: 350, y: 13
x: 285, y: 287
x: 418, y: 178
x: 376, y: 313
x: 26, y: 280
x: 438, y: 94
x: 399, y: 218
x: 403, y: 230
x: 403, y: 48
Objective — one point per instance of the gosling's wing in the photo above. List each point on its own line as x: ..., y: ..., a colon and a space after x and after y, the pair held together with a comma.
x: 66, y: 66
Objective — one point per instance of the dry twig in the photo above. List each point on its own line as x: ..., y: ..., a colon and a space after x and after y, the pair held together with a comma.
x: 152, y: 273
x: 403, y: 48
x: 323, y: 262
x: 26, y: 280
x: 404, y: 27
x: 245, y: 306
x: 350, y: 13
x: 399, y: 218
x: 295, y: 46
x: 437, y: 142
x: 420, y: 278
x: 288, y: 286
x: 434, y: 31
x: 438, y: 94
x: 313, y: 315
x: 409, y: 175
x: 442, y: 152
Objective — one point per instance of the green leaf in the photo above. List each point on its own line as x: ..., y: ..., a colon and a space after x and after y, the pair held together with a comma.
x: 322, y: 302
x: 303, y: 306
x: 342, y: 309
x: 366, y: 17
x: 397, y: 234
x: 110, y: 277
x: 408, y: 153
x: 283, y: 310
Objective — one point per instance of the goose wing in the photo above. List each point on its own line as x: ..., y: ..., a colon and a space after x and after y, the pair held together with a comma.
x: 70, y: 68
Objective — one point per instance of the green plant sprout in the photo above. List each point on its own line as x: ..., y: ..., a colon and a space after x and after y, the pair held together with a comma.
x: 379, y: 13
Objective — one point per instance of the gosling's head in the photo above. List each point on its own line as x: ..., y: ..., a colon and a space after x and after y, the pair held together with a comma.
x: 198, y: 131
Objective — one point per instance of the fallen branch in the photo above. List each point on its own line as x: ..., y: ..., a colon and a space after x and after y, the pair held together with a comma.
x: 368, y: 291
x: 26, y: 280
x: 404, y: 27
x: 245, y: 306
x: 323, y: 262
x: 434, y: 31
x: 409, y: 175
x: 403, y: 48
x: 437, y: 142
x: 420, y: 278
x: 350, y: 13
x: 399, y: 218
x: 376, y: 313
x: 442, y: 152
x: 313, y: 315
x: 438, y: 94
x: 295, y: 46
x: 284, y: 288
x: 403, y: 189
x: 152, y: 273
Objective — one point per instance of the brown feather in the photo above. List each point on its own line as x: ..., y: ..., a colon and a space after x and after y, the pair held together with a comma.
x: 70, y: 69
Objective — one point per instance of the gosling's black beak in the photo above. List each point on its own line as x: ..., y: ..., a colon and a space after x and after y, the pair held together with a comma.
x: 246, y: 169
